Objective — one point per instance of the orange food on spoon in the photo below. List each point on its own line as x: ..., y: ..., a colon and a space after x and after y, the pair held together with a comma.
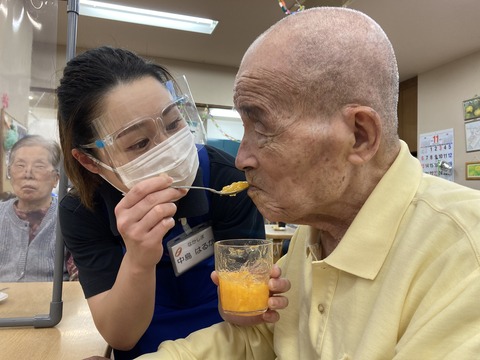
x: 235, y: 187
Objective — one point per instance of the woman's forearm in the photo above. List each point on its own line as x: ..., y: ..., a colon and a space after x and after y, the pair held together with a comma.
x: 123, y: 313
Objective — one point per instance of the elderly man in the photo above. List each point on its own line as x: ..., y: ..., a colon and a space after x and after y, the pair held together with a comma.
x: 387, y: 263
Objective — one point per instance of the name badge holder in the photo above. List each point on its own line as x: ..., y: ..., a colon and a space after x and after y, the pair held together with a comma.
x: 188, y: 249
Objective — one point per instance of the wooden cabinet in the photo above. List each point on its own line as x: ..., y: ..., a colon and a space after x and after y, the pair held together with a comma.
x: 407, y: 112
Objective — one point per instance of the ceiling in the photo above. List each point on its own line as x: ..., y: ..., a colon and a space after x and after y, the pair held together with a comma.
x: 425, y: 33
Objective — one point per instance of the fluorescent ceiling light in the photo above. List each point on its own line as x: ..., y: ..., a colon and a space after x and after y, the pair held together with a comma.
x: 226, y: 113
x: 146, y: 17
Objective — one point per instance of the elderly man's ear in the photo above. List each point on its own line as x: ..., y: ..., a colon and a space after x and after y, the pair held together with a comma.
x: 87, y: 162
x: 366, y: 128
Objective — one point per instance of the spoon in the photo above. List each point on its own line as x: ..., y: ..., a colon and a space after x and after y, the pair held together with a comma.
x: 230, y: 190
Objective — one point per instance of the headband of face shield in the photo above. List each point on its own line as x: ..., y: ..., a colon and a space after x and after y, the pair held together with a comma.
x: 163, y: 142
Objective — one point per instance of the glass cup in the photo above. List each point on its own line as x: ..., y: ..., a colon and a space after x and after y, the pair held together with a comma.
x: 243, y: 267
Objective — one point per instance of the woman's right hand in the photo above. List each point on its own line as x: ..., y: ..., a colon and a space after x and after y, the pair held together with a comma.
x: 144, y: 216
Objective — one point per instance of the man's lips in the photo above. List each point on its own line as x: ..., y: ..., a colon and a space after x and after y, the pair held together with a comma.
x: 251, y: 186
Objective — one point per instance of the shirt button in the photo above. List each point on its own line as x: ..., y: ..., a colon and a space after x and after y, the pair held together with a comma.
x: 321, y: 309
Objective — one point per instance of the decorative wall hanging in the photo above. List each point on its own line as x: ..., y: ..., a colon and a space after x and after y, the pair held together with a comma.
x: 472, y: 135
x: 472, y: 170
x: 471, y: 108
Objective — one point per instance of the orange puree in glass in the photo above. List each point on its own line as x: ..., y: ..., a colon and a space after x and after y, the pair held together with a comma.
x: 242, y: 292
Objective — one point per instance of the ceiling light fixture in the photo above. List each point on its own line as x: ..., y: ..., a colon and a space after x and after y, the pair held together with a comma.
x: 225, y: 113
x: 146, y: 17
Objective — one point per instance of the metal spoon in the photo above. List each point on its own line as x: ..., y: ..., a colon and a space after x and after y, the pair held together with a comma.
x: 230, y: 190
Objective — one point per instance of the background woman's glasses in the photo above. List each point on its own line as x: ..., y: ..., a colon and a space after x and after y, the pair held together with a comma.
x: 37, y: 170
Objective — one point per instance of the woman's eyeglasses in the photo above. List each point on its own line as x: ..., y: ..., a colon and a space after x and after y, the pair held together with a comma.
x: 140, y: 135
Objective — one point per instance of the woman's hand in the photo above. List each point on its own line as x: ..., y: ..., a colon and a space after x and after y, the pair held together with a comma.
x: 144, y: 216
x: 277, y: 285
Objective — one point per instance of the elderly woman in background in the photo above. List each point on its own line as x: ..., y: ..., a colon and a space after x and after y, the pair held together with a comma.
x: 28, y: 221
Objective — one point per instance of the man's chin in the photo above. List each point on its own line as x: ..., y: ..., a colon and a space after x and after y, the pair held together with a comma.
x: 261, y: 200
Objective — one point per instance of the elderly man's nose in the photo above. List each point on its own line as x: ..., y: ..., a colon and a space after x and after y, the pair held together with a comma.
x: 244, y: 159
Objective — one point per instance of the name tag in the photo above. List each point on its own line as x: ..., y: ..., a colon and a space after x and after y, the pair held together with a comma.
x: 187, y: 251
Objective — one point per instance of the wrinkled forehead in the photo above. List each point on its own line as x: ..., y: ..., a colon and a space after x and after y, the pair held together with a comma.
x: 264, y: 63
x: 130, y: 101
x: 31, y: 154
x: 267, y: 86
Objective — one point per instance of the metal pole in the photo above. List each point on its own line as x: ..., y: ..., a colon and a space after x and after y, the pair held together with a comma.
x: 72, y: 21
x: 56, y: 306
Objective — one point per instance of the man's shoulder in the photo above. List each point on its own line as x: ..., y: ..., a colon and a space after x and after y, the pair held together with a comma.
x: 442, y: 191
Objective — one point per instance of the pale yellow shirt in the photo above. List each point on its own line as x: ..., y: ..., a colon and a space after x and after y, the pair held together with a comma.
x: 404, y: 284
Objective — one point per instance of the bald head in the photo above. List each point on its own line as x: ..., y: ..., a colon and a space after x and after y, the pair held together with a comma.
x: 327, y: 58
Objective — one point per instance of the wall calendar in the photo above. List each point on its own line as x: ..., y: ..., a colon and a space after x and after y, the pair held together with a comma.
x: 437, y: 153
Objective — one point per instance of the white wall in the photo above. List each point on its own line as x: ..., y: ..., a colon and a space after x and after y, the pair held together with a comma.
x: 43, y: 122
x: 15, y: 60
x: 441, y: 93
x: 209, y: 84
x: 223, y: 128
x: 16, y: 38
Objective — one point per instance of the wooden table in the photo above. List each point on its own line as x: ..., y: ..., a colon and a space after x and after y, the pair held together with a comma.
x: 75, y: 337
x: 278, y: 236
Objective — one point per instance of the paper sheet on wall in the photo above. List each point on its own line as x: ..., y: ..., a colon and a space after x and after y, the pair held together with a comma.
x: 436, y: 148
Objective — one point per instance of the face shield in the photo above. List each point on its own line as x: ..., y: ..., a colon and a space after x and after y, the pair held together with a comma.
x: 139, y: 147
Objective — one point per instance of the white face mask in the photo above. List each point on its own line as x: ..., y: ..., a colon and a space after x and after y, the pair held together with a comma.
x: 177, y: 157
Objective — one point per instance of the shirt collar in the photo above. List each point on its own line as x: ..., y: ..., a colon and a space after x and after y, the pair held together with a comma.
x: 365, y: 246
